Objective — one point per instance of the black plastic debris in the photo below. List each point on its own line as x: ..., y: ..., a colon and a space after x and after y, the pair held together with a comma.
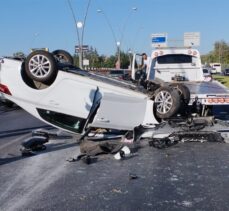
x: 210, y: 136
x: 87, y: 159
x: 45, y: 133
x: 186, y: 136
x: 132, y: 176
x: 34, y: 143
x: 27, y: 152
x: 161, y: 143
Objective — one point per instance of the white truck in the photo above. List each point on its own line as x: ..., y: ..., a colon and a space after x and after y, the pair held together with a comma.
x: 215, y: 68
x: 179, y: 68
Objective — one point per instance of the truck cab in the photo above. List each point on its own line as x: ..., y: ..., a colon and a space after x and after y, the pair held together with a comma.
x: 171, y: 65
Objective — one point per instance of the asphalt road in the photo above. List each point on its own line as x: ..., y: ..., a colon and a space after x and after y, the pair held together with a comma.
x: 187, y: 176
x: 15, y: 121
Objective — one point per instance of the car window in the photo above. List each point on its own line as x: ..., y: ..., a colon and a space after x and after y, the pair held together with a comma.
x: 116, y: 72
x: 67, y: 122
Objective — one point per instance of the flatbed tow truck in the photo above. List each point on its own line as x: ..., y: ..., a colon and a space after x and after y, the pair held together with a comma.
x: 189, y: 114
x: 180, y: 69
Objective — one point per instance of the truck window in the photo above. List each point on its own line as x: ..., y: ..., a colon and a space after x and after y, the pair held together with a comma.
x: 174, y: 59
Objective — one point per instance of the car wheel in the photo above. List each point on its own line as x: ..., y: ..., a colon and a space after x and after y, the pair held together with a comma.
x: 41, y: 66
x: 167, y: 102
x: 183, y: 91
x: 63, y: 56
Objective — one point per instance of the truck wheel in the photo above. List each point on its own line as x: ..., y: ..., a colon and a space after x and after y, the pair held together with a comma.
x: 183, y: 92
x: 41, y: 67
x: 63, y: 56
x: 167, y: 102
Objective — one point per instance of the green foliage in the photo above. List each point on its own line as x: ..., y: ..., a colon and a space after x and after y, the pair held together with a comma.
x: 222, y: 79
x: 98, y: 61
x: 125, y: 60
x: 76, y: 60
x: 220, y: 54
x: 19, y: 54
x: 110, y: 61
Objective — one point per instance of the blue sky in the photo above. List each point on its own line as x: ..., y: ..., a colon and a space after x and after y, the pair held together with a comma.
x: 29, y: 24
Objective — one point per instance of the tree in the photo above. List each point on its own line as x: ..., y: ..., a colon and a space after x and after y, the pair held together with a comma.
x: 19, y: 54
x: 98, y: 61
x: 220, y: 54
x: 76, y: 60
x: 93, y: 57
x: 125, y: 60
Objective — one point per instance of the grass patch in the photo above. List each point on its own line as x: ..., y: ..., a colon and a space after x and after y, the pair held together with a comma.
x: 222, y: 79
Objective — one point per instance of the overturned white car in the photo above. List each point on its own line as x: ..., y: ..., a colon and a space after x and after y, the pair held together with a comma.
x: 49, y: 87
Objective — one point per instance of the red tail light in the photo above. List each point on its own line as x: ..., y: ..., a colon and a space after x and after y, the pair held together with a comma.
x: 5, y: 89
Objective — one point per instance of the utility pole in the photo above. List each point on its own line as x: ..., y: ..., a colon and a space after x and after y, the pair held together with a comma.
x: 118, y: 65
x: 80, y: 26
x: 117, y: 42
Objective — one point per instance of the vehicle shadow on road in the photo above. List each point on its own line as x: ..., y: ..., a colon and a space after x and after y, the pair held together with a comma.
x: 4, y: 161
x: 51, y: 147
x: 17, y: 132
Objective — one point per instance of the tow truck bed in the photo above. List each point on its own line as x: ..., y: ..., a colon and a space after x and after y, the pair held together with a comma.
x: 209, y: 93
x: 211, y: 87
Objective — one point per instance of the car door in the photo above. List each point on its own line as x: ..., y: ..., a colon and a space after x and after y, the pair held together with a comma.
x: 120, y: 112
x: 72, y: 97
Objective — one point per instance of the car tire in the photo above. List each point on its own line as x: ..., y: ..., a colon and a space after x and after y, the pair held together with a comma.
x: 41, y: 66
x: 183, y: 91
x: 167, y: 102
x: 63, y: 56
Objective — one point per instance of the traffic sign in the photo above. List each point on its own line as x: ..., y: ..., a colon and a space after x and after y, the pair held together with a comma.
x: 191, y: 39
x: 159, y: 40
x: 86, y: 62
x: 83, y: 47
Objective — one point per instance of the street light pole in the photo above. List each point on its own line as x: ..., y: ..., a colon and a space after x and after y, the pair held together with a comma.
x: 80, y: 25
x: 118, y: 65
x: 117, y: 43
x: 133, y: 9
x: 75, y: 21
x: 82, y: 35
x: 109, y: 24
x: 130, y: 59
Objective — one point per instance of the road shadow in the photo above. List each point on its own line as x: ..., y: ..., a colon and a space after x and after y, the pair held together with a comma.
x: 9, y: 133
x: 51, y: 147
